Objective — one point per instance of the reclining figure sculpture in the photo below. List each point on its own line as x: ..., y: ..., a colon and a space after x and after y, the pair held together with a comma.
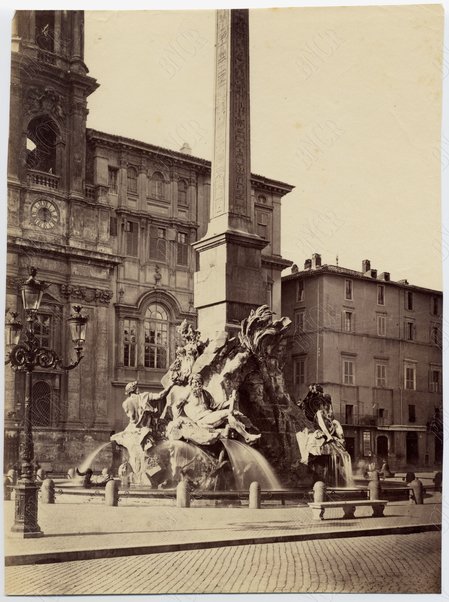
x: 199, y: 419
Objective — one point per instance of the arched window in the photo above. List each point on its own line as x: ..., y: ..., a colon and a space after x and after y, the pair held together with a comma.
x: 45, y: 29
x: 156, y: 337
x: 42, y: 137
x: 41, y: 404
x: 132, y: 180
x: 157, y: 185
x: 182, y: 192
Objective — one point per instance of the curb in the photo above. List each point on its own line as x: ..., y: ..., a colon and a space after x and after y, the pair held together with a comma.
x: 68, y: 556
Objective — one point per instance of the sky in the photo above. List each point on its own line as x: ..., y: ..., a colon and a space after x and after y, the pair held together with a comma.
x: 345, y: 106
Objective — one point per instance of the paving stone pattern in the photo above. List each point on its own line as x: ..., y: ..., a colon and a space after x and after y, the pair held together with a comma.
x: 386, y: 564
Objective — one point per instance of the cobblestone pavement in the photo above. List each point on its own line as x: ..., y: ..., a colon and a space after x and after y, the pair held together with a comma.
x: 392, y: 563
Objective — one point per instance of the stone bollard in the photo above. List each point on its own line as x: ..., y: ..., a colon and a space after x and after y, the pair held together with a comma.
x: 417, y: 491
x: 183, y: 495
x: 319, y: 491
x: 254, y: 495
x: 7, y: 489
x: 71, y: 473
x: 48, y: 492
x: 111, y: 493
x: 125, y: 481
x: 40, y: 475
x: 374, y: 486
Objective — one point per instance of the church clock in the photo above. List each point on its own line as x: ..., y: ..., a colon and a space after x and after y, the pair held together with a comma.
x: 44, y: 214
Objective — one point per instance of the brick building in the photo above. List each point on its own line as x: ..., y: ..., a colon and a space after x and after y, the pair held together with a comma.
x: 109, y: 222
x: 375, y: 346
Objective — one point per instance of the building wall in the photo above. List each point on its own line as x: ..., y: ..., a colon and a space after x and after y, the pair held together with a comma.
x: 379, y: 401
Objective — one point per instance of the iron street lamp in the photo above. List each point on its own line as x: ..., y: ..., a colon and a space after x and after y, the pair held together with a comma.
x: 25, y: 354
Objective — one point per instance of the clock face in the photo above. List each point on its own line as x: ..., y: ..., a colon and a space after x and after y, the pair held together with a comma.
x: 44, y: 214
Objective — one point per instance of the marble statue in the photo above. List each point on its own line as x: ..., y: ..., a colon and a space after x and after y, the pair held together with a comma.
x: 198, y: 418
x: 138, y: 435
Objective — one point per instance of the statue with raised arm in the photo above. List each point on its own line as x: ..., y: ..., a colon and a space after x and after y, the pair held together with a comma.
x: 138, y: 435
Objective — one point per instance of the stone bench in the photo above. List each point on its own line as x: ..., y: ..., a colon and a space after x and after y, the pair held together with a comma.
x: 318, y: 508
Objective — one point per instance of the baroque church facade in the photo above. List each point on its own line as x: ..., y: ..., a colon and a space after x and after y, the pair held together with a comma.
x: 109, y: 223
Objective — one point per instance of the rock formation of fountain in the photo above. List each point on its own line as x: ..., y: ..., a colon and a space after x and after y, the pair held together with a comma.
x: 242, y: 373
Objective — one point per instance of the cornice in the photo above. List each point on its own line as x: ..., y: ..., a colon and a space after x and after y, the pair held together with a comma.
x: 60, y: 251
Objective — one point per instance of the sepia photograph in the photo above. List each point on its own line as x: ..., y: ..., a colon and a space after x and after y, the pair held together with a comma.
x: 223, y: 300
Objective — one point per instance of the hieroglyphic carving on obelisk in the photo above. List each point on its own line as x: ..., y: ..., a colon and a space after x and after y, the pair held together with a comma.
x: 230, y: 281
x: 231, y: 166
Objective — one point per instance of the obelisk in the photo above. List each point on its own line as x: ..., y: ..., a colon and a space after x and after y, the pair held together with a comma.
x: 230, y: 282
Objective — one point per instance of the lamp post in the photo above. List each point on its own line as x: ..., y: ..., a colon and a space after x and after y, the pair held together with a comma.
x: 24, y: 354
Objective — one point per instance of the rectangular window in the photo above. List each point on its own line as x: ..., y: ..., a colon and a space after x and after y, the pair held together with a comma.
x: 435, y: 381
x: 158, y: 243
x: 411, y: 413
x: 348, y: 289
x: 349, y: 414
x: 380, y: 294
x: 381, y: 326
x: 132, y: 180
x: 299, y: 321
x: 409, y: 330
x: 112, y: 176
x: 182, y: 193
x: 182, y: 249
x: 408, y: 300
x: 299, y: 370
x: 348, y: 372
x: 262, y: 224
x: 366, y: 443
x: 434, y: 306
x: 129, y: 343
x: 348, y: 321
x: 410, y: 377
x: 381, y: 375
x: 42, y: 330
x: 300, y: 290
x: 156, y: 344
x: 132, y: 238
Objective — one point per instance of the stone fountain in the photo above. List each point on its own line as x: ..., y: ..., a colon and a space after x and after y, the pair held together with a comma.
x: 227, y: 418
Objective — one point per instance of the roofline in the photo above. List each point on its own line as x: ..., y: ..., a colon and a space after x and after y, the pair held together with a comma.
x: 115, y: 139
x: 341, y: 272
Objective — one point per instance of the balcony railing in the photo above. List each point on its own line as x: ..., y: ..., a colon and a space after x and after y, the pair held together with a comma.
x: 46, y: 57
x: 90, y: 192
x: 364, y: 420
x: 42, y: 178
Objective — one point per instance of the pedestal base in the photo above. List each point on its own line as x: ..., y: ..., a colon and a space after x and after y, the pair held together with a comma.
x: 25, y: 516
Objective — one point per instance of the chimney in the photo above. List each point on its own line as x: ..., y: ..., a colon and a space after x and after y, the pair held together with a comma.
x: 316, y: 260
x: 308, y: 264
x: 373, y: 273
x: 385, y: 276
x: 186, y: 149
x: 366, y: 265
x: 403, y: 281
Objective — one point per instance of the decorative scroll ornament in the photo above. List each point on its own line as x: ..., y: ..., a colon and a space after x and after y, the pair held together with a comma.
x: 86, y: 294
